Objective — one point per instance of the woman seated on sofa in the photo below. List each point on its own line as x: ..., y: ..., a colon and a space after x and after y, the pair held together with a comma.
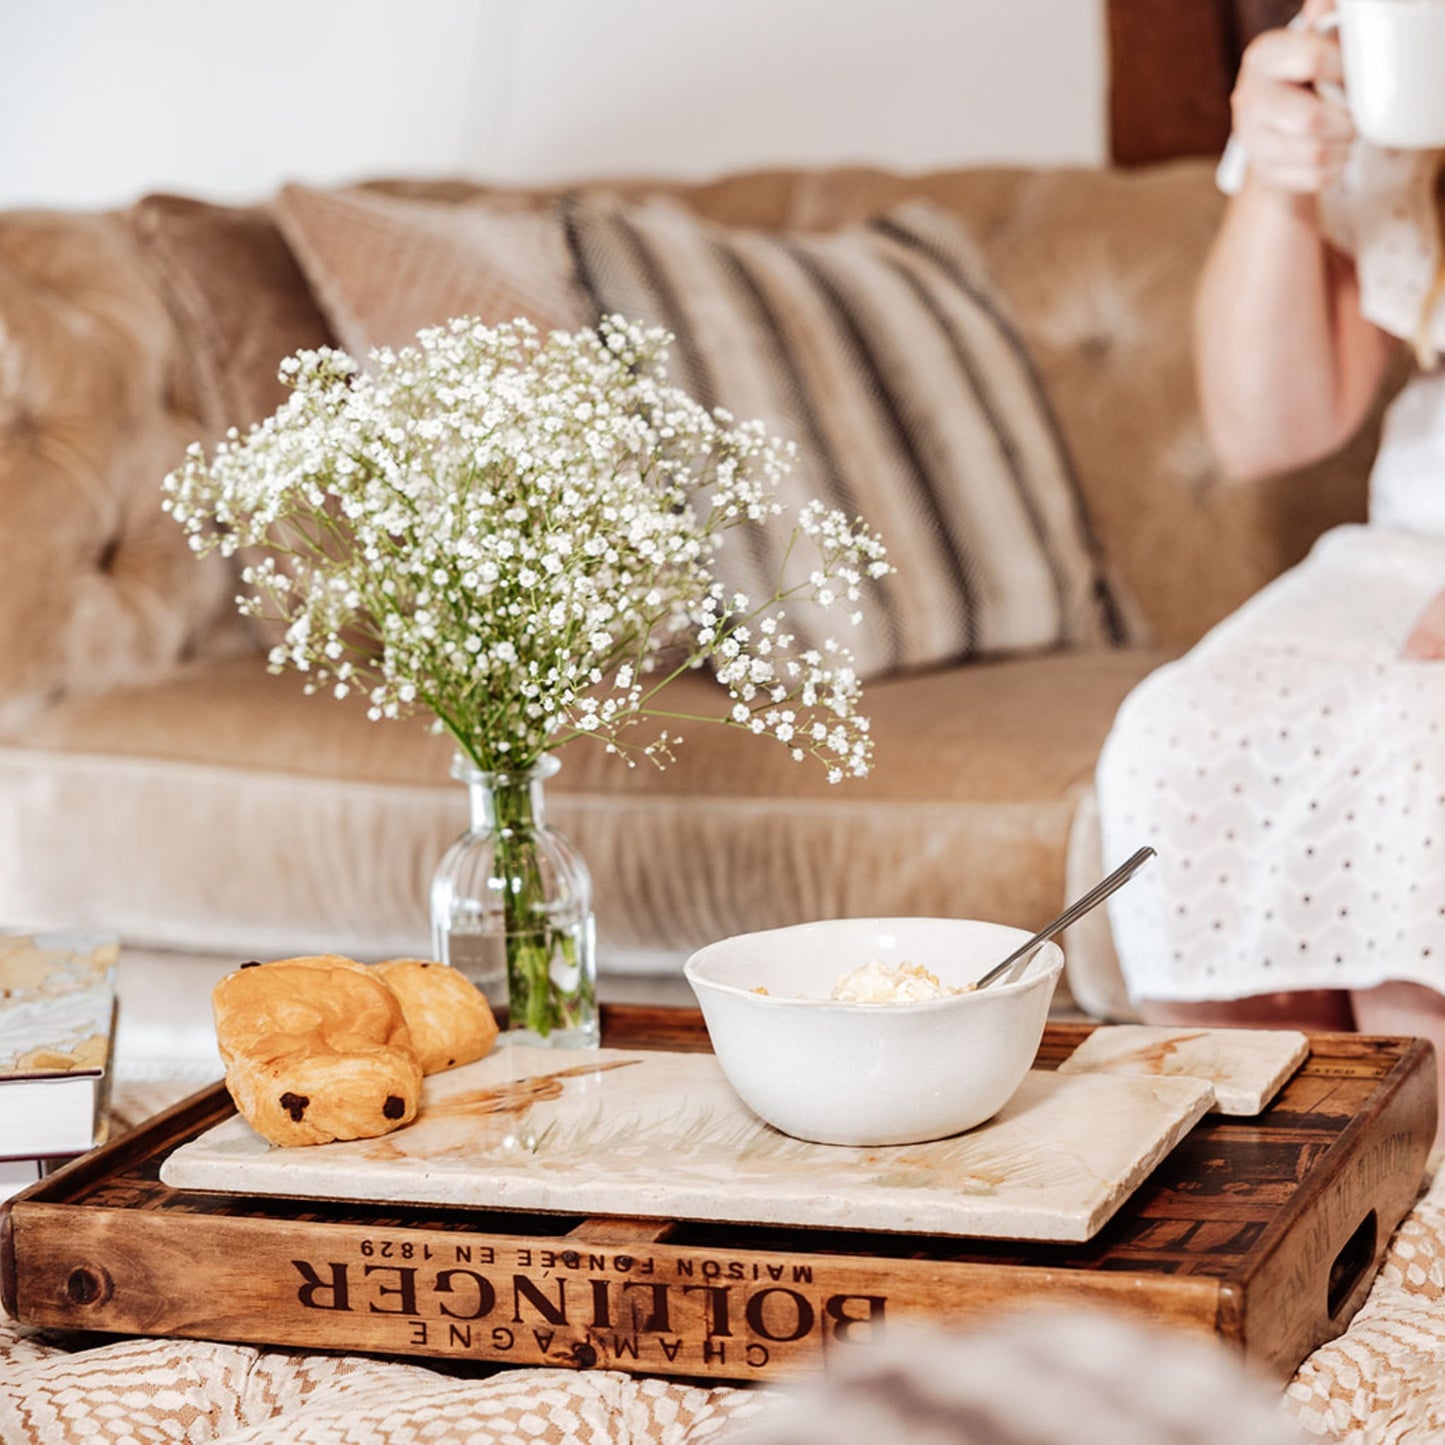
x: 1291, y: 769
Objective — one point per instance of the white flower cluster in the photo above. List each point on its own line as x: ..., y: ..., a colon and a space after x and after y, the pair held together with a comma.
x: 518, y: 533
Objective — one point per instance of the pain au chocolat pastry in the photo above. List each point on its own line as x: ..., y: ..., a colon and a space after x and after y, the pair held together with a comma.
x: 323, y: 1047
x: 450, y: 1021
x: 316, y: 1049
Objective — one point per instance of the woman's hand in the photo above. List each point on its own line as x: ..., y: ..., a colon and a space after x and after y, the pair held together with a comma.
x: 1288, y: 367
x: 1426, y: 641
x: 1294, y: 140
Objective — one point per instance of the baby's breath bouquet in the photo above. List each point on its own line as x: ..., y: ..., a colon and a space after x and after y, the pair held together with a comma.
x: 518, y: 535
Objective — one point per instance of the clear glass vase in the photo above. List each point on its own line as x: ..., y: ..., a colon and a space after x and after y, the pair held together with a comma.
x: 511, y: 907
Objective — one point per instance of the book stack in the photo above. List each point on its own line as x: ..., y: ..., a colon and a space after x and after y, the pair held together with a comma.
x: 57, y: 1029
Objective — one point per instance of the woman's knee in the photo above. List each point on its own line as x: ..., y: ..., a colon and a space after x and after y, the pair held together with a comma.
x: 1400, y: 1008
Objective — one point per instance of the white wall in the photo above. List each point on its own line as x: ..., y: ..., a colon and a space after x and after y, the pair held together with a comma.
x: 700, y: 87
x: 103, y: 100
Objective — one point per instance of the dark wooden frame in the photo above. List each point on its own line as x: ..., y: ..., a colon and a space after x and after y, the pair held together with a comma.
x: 1172, y: 65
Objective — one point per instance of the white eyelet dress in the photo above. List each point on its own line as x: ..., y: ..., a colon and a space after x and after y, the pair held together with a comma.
x: 1290, y: 769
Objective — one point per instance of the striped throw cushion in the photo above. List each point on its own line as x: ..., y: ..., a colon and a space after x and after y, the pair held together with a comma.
x: 884, y: 352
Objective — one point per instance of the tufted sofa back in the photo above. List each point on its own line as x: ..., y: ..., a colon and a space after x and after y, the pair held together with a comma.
x: 118, y: 331
x: 95, y: 404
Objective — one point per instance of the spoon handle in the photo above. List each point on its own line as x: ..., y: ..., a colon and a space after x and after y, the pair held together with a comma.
x: 1075, y: 911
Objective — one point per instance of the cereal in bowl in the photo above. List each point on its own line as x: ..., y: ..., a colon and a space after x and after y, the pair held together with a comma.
x: 876, y: 982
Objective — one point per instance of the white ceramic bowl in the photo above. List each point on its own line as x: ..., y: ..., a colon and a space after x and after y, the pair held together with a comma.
x: 892, y: 1073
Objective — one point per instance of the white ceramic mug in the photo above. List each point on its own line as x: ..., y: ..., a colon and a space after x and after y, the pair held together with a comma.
x: 1394, y: 59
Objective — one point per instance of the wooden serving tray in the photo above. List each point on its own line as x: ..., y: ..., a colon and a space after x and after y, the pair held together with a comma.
x: 1266, y: 1232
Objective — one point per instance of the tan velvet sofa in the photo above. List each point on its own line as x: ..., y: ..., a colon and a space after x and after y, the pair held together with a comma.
x: 154, y: 777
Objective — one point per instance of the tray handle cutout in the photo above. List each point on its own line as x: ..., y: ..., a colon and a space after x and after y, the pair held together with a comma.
x: 1352, y: 1263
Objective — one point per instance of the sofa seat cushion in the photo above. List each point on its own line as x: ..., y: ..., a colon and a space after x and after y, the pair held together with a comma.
x: 225, y: 809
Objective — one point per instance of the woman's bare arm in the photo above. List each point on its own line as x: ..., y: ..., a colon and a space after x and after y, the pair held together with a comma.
x: 1288, y: 368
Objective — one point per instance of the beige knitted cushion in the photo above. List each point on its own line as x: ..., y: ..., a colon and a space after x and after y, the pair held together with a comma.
x: 384, y: 268
x: 153, y: 1391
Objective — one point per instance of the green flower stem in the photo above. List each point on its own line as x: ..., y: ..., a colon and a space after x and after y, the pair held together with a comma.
x: 536, y: 1001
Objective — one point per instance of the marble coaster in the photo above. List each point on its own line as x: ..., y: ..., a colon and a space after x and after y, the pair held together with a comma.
x: 663, y: 1135
x: 1247, y: 1067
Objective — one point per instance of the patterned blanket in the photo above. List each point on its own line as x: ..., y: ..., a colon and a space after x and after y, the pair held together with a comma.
x: 1380, y: 1383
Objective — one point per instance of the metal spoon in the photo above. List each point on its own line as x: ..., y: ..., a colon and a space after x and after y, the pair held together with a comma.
x: 1075, y: 911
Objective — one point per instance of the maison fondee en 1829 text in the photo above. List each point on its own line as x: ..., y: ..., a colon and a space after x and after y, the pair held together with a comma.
x: 689, y: 1312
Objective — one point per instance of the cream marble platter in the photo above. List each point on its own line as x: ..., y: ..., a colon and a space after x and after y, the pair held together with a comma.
x: 663, y: 1135
x: 1247, y: 1067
